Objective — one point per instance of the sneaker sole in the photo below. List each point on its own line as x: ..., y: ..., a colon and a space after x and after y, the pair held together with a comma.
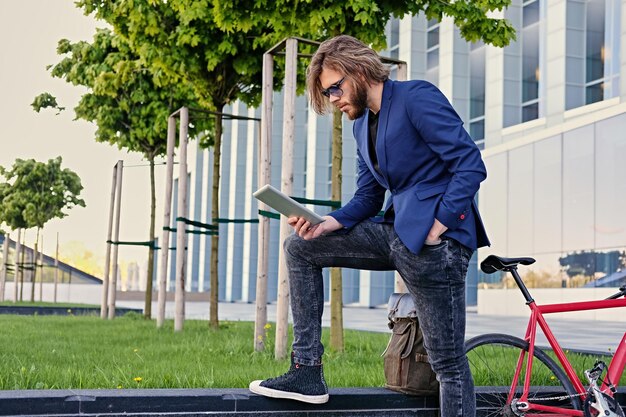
x: 256, y: 388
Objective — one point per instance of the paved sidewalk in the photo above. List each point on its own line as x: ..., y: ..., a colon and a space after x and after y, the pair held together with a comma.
x: 587, y: 335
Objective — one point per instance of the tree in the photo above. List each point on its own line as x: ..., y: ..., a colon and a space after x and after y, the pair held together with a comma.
x: 181, y: 44
x: 36, y: 192
x: 128, y: 104
x: 365, y: 20
x: 216, y: 47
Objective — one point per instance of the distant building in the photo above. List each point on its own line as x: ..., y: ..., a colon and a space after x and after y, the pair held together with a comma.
x: 67, y: 273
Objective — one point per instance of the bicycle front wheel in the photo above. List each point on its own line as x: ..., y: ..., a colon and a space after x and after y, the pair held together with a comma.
x: 493, y: 359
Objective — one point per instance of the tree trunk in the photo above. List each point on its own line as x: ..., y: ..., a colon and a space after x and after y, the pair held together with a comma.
x: 336, y: 285
x: 215, y: 214
x: 147, y: 309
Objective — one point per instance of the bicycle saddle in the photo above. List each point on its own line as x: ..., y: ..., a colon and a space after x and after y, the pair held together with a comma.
x: 493, y: 263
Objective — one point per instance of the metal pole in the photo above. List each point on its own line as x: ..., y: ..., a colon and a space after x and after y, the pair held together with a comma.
x: 18, y: 249
x: 56, y: 272
x: 5, y: 262
x: 40, y: 265
x: 289, y: 115
x: 107, y: 256
x: 264, y: 169
x: 116, y: 236
x: 181, y: 236
x: 167, y: 209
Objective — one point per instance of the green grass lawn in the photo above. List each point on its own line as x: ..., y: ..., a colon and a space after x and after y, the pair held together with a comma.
x: 80, y: 352
x: 41, y: 352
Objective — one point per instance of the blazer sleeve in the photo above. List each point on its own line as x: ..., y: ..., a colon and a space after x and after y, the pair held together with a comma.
x: 367, y: 200
x: 442, y: 130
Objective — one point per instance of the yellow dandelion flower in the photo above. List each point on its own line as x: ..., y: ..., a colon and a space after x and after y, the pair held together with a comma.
x: 119, y: 387
x: 268, y: 326
x: 552, y: 378
x: 135, y: 350
x: 138, y: 379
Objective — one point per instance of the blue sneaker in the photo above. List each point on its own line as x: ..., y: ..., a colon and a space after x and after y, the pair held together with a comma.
x: 301, y: 383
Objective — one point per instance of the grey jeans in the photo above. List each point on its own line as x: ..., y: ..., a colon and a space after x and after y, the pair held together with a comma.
x: 435, y: 278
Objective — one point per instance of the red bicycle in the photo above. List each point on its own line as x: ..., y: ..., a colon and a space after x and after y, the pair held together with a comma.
x: 530, y: 386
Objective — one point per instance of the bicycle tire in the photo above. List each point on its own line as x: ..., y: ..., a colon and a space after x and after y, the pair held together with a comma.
x: 481, y: 352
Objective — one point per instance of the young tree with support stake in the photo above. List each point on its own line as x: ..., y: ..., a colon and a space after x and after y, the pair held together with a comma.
x: 128, y: 104
x: 365, y: 20
x: 180, y: 42
x: 216, y: 46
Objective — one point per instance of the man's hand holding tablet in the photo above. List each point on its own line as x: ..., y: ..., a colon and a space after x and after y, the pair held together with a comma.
x: 306, y: 223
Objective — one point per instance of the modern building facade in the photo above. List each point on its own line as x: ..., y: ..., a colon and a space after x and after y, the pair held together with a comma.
x: 548, y: 112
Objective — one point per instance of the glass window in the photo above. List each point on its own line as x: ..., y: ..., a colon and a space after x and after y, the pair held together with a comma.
x: 432, y: 37
x: 477, y: 82
x: 393, y: 38
x: 578, y: 189
x: 530, y: 13
x: 530, y: 112
x: 432, y: 51
x: 432, y: 59
x: 477, y: 91
x: 592, y: 47
x: 595, y: 40
x: 530, y: 60
x: 477, y: 130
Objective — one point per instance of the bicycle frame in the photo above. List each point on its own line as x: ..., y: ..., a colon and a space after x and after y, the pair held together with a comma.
x: 615, y: 368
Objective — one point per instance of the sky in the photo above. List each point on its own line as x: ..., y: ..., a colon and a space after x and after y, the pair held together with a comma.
x: 30, y: 30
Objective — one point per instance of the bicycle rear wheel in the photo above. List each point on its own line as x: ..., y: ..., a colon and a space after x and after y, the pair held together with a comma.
x: 493, y: 358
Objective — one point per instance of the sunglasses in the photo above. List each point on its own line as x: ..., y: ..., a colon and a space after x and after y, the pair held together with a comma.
x: 334, y: 89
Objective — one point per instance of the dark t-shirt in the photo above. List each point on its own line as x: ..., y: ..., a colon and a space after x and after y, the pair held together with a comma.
x: 372, y: 122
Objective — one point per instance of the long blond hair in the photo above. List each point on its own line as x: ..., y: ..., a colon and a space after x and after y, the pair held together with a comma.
x: 348, y: 56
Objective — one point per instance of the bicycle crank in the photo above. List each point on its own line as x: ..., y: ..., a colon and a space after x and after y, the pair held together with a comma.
x: 602, y: 405
x: 598, y: 403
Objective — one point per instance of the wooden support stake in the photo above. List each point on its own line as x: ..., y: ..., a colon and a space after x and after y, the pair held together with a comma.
x: 264, y: 169
x: 167, y: 215
x: 289, y: 115
x: 116, y: 237
x: 181, y: 236
x: 107, y: 257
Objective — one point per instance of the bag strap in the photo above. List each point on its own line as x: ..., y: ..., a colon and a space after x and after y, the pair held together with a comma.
x: 408, y: 347
x: 420, y: 357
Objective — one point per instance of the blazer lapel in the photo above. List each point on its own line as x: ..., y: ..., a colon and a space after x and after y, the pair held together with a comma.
x: 362, y: 137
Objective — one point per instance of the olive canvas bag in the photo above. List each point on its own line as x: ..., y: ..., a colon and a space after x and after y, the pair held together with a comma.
x: 407, y: 369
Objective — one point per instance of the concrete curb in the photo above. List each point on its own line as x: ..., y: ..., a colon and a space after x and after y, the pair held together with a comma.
x: 353, y: 402
x: 219, y: 402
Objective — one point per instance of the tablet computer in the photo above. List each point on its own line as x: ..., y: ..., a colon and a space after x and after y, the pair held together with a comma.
x: 286, y: 205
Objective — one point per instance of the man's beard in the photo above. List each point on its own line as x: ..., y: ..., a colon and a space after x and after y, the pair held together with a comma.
x: 358, y: 102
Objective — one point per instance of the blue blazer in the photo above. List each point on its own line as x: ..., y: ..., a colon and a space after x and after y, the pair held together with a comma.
x: 427, y: 161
